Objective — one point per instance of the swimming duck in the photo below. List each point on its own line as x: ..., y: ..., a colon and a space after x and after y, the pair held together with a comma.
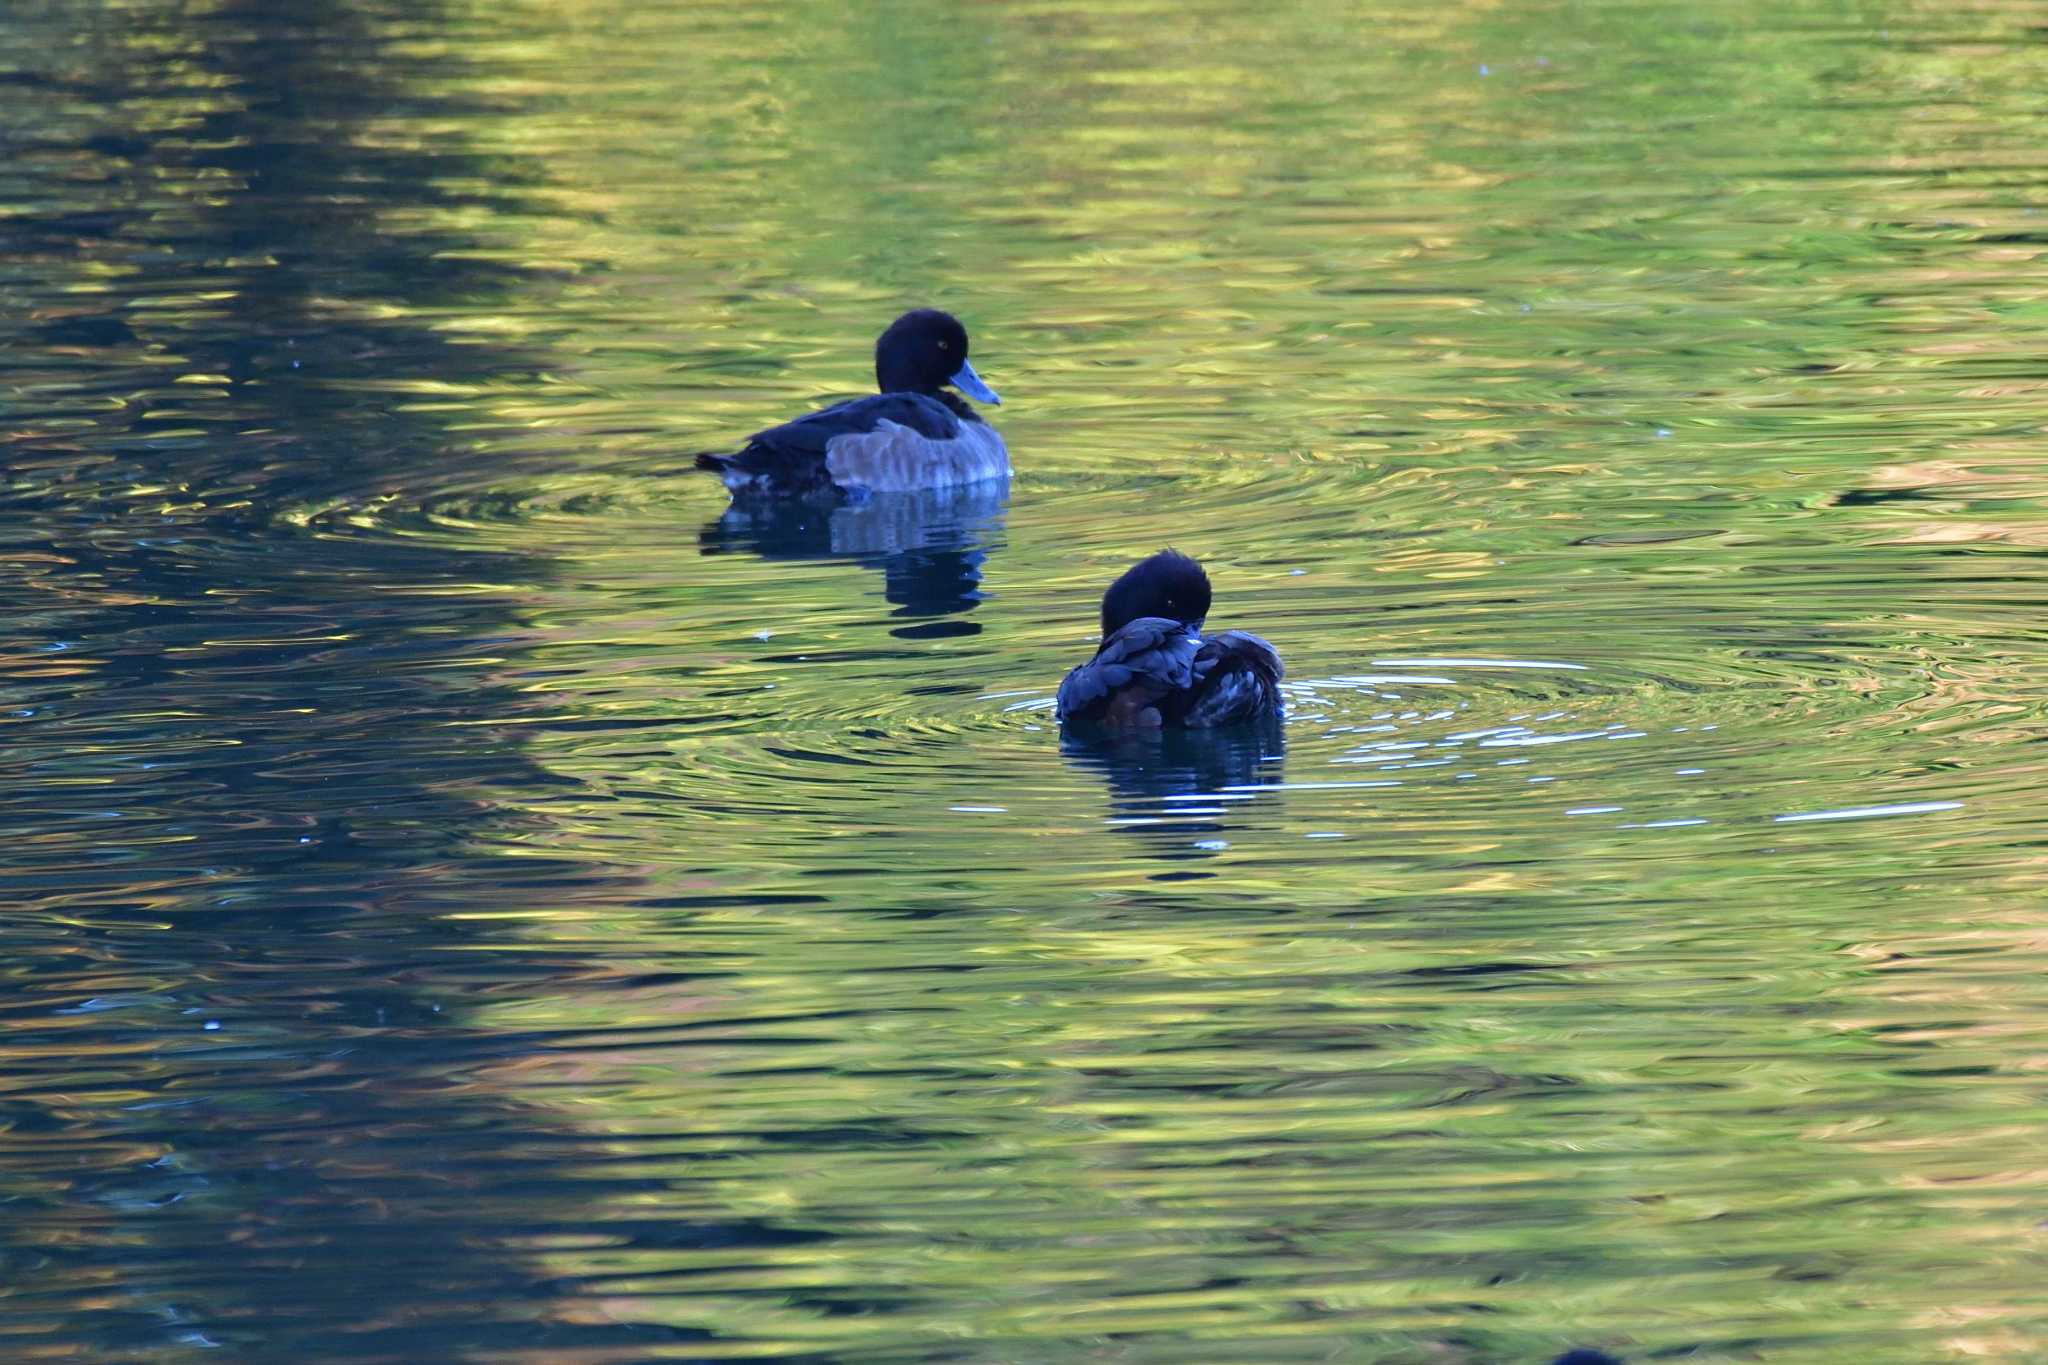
x: 913, y: 434
x: 1154, y: 666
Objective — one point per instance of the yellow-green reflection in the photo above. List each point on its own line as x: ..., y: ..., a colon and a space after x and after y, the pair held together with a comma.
x: 1625, y: 422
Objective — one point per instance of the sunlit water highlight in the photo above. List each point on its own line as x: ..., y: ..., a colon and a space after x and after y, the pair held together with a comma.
x: 475, y: 896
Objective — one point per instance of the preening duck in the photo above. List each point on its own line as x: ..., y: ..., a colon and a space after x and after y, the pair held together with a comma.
x: 913, y: 434
x: 1155, y: 667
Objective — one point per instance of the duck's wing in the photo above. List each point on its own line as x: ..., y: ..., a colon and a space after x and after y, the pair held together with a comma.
x: 1237, y: 678
x: 792, y: 457
x: 1150, y: 658
x: 1241, y: 646
x: 810, y: 435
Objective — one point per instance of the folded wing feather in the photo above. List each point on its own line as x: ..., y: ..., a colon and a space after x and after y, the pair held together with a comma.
x: 1151, y: 652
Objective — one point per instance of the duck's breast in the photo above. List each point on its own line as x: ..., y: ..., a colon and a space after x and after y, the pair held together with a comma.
x: 892, y: 458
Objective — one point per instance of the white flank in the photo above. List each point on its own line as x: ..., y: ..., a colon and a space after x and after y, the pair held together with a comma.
x: 894, y: 459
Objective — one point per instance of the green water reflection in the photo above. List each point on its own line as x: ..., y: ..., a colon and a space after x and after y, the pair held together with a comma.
x: 637, y: 931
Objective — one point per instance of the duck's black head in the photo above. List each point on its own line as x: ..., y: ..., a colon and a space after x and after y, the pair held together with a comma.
x: 1168, y: 584
x: 925, y: 350
x: 1584, y: 1356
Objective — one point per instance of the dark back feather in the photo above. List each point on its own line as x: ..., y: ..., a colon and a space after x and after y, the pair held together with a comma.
x: 791, y: 458
x: 1148, y: 658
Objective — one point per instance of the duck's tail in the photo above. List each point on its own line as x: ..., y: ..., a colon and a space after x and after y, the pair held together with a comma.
x: 716, y: 464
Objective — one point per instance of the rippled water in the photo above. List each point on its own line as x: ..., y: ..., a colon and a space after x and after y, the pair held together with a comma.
x: 471, y: 896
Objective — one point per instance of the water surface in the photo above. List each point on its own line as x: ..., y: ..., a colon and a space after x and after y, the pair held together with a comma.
x: 472, y: 896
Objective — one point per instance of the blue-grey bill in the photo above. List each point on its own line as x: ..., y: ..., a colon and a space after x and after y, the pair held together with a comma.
x: 969, y: 383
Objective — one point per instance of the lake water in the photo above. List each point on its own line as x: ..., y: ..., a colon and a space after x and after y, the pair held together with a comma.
x: 470, y: 898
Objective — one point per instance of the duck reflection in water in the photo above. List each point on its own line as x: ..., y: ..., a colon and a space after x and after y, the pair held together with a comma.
x: 1183, y: 792
x: 929, y: 545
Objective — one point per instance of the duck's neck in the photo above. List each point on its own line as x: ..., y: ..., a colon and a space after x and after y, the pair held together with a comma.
x: 955, y: 404
x: 950, y: 400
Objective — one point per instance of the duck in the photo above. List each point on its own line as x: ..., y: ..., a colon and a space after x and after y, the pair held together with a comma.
x: 911, y: 435
x: 1154, y: 666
